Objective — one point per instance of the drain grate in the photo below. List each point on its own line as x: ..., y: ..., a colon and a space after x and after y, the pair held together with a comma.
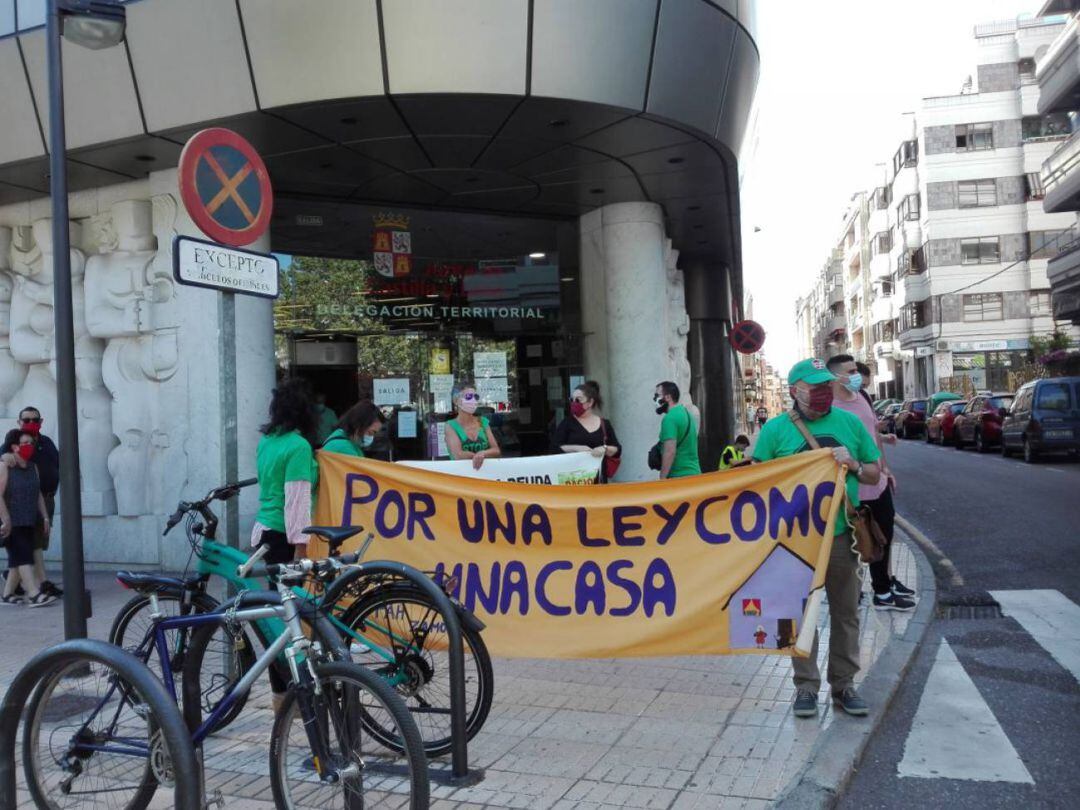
x: 969, y: 611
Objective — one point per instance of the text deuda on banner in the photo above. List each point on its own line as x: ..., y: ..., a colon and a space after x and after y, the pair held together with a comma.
x: 724, y: 562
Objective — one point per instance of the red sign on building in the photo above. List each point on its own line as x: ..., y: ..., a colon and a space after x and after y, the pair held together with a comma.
x: 391, y: 249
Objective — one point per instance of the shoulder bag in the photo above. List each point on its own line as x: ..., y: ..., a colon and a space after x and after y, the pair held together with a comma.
x: 610, y: 463
x: 656, y: 452
x: 869, y: 539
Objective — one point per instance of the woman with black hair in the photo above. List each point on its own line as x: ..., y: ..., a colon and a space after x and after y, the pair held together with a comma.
x: 356, y: 430
x: 585, y: 431
x: 285, y: 463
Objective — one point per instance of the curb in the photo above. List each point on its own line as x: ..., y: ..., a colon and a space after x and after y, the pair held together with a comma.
x: 840, y: 747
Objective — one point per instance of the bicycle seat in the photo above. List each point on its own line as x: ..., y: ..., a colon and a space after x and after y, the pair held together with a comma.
x: 150, y: 583
x: 334, y: 535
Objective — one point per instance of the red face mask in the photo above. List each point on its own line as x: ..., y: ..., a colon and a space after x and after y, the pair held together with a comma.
x: 26, y: 451
x: 819, y: 399
x: 577, y: 408
x: 33, y: 428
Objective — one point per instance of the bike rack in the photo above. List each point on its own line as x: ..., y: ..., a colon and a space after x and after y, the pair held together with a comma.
x: 186, y: 794
x: 459, y: 754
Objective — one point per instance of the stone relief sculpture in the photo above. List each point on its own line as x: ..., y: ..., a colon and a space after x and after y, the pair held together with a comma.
x: 678, y: 327
x: 127, y: 304
x: 12, y: 372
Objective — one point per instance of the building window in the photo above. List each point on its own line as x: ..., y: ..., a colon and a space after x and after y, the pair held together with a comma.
x: 1039, y: 303
x: 908, y: 208
x: 977, y: 193
x: 907, y: 155
x: 914, y: 316
x: 1033, y: 181
x: 983, y: 307
x: 881, y: 243
x: 984, y: 250
x: 881, y: 198
x: 1027, y: 70
x: 972, y: 137
x: 1035, y: 127
x: 1044, y: 244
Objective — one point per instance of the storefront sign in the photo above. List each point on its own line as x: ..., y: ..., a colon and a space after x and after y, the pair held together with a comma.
x: 493, y: 390
x: 442, y: 386
x: 981, y: 346
x: 574, y: 469
x: 392, y: 391
x: 924, y: 351
x: 440, y: 360
x: 489, y: 364
x: 198, y: 263
x: 706, y: 565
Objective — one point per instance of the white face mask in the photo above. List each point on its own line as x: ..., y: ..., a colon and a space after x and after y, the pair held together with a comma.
x: 468, y: 405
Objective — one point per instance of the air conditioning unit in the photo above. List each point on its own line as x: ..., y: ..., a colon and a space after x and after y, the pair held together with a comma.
x: 943, y: 345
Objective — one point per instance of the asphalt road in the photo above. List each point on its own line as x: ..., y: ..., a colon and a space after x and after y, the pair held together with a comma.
x: 1004, y: 526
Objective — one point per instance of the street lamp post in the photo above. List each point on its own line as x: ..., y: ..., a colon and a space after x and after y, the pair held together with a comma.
x: 92, y: 24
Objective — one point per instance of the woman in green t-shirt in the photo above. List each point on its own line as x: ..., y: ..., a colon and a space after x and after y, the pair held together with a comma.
x: 467, y: 435
x: 355, y: 430
x: 285, y: 464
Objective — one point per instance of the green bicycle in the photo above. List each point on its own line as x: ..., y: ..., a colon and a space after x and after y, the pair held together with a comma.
x: 389, y: 626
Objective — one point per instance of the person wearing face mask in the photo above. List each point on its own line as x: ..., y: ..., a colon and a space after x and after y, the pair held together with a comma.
x: 678, y: 434
x: 467, y: 435
x: 21, y: 508
x: 356, y: 430
x: 853, y: 448
x: 47, y: 461
x: 584, y: 430
x: 889, y: 592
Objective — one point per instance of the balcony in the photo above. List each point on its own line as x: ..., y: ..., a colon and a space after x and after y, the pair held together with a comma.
x: 835, y: 323
x: 1063, y: 272
x: 881, y: 310
x: 836, y: 294
x: 1061, y: 178
x: 1058, y: 72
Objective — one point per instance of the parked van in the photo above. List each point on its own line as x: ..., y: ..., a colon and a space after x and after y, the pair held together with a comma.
x: 1044, y: 418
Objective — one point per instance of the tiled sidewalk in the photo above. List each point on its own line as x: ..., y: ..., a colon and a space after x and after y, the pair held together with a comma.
x: 675, y: 733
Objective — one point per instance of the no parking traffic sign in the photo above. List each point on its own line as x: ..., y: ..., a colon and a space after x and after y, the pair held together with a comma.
x: 225, y: 187
x: 747, y: 336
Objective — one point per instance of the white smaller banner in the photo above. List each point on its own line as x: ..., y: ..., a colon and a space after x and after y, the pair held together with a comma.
x: 561, y: 468
x: 489, y: 364
x: 442, y: 386
x: 392, y: 391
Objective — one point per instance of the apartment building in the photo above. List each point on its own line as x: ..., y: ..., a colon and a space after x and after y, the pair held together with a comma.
x: 944, y: 264
x: 1058, y: 78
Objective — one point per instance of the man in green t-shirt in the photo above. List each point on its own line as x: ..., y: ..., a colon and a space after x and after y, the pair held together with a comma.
x: 853, y: 447
x: 678, y: 434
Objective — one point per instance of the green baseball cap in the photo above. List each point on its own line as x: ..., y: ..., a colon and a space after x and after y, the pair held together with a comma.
x: 812, y: 371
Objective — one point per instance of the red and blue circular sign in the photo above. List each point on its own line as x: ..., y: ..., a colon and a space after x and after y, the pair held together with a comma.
x: 747, y: 337
x: 225, y: 187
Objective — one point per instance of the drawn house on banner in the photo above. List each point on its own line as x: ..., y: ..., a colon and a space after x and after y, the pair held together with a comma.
x: 773, y: 599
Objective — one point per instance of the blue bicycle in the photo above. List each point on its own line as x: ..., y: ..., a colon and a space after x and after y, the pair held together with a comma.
x: 323, y: 753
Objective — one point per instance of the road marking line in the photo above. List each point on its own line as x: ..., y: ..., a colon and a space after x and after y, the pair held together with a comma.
x: 955, y: 578
x: 1051, y: 618
x: 954, y: 734
x: 1053, y: 469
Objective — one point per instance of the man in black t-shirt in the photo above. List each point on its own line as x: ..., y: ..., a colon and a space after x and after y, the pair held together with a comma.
x: 47, y: 459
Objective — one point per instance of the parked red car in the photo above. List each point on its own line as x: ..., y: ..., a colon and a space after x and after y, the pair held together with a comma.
x: 980, y: 421
x: 939, y: 427
x: 911, y: 420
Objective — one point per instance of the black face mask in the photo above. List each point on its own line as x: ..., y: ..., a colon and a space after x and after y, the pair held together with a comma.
x: 662, y: 408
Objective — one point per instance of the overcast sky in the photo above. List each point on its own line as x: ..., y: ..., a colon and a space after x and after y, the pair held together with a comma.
x: 835, y: 78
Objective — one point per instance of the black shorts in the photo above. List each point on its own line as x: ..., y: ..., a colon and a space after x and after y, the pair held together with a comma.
x: 20, y: 546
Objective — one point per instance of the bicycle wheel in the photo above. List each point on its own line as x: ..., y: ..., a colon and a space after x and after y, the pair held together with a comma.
x: 399, y: 619
x: 88, y: 741
x: 231, y: 654
x: 371, y: 775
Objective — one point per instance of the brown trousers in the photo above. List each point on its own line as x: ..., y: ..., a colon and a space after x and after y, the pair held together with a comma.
x: 842, y: 588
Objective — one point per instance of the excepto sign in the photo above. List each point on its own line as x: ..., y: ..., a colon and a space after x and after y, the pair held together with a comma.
x: 205, y: 264
x: 225, y: 187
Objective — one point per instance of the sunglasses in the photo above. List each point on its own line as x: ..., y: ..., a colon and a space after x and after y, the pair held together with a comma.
x: 470, y: 397
x: 33, y: 420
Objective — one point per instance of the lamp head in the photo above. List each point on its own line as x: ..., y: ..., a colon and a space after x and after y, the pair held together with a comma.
x: 93, y: 24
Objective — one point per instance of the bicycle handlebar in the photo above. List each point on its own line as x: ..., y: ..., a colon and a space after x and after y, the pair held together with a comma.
x: 222, y: 493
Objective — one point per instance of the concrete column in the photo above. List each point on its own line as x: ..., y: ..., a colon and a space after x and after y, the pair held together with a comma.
x: 624, y: 321
x: 713, y: 367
